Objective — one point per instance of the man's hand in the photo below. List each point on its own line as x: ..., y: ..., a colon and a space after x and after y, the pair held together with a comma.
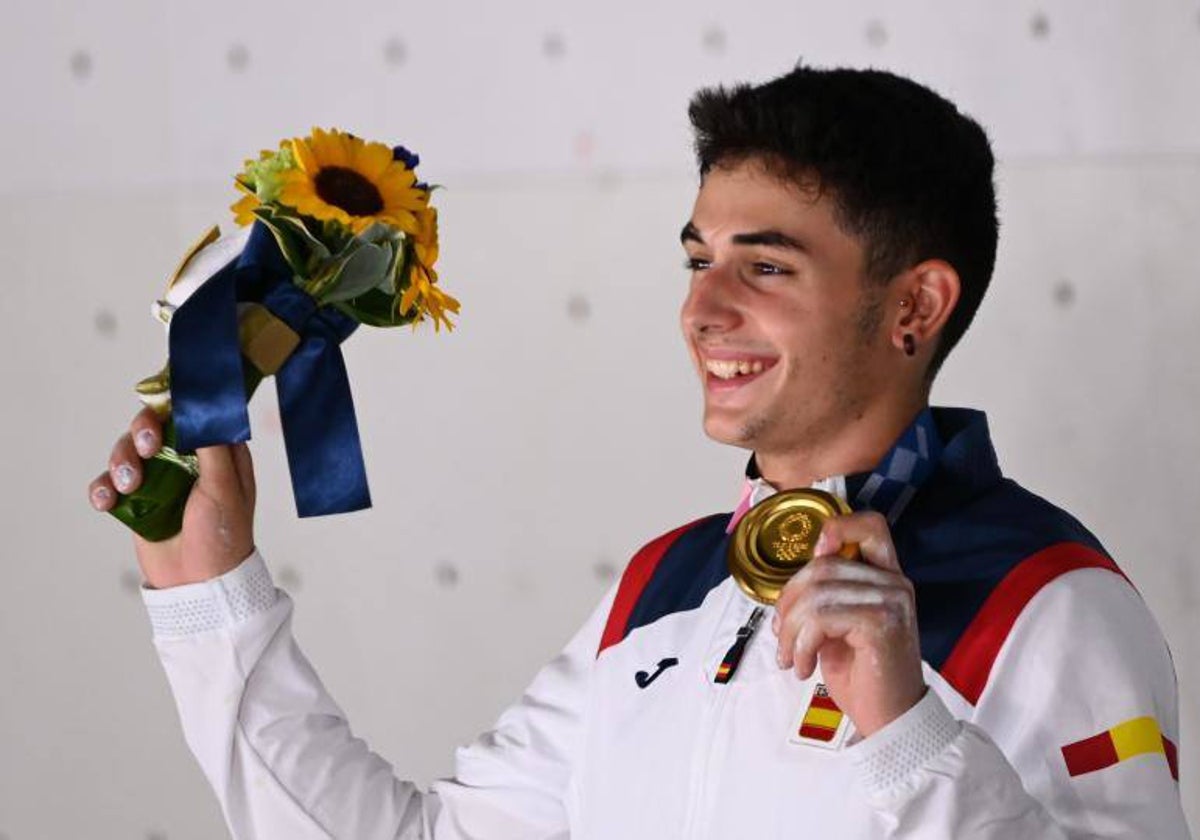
x: 218, y: 521
x: 860, y: 618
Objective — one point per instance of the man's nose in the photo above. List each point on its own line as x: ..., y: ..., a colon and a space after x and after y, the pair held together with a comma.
x: 711, y: 303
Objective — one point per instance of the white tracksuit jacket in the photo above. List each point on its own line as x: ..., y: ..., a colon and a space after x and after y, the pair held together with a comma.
x: 1051, y: 710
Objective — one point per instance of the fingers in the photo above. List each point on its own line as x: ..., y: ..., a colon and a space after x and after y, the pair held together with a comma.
x: 828, y: 589
x: 124, y: 474
x: 124, y: 465
x: 223, y: 469
x: 827, y: 570
x: 146, y: 431
x: 868, y: 529
x: 101, y: 493
x: 840, y: 623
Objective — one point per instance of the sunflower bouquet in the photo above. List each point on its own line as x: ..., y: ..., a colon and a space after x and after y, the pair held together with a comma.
x: 334, y: 232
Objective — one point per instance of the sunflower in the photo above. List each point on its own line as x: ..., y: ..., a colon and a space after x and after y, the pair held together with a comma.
x: 423, y: 293
x: 339, y: 177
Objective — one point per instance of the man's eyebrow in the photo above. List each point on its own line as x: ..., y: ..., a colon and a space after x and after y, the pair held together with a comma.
x: 770, y: 238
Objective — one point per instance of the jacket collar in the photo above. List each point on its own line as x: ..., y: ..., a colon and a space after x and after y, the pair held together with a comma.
x: 953, y: 439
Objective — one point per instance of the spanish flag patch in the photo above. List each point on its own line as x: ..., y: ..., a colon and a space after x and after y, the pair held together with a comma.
x: 1139, y: 736
x: 823, y: 724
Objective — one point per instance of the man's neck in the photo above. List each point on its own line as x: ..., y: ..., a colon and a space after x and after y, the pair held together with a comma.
x: 857, y: 447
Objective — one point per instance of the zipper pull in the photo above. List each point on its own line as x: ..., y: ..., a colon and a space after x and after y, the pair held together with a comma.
x: 733, y: 656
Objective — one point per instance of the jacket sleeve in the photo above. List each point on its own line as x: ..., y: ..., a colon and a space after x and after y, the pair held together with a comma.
x: 1073, y: 736
x: 280, y: 754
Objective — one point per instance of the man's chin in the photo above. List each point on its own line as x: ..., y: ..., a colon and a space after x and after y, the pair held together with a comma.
x: 729, y: 431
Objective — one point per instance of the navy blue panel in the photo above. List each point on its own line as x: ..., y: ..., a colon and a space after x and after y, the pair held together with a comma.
x: 956, y: 560
x: 966, y: 529
x: 692, y: 566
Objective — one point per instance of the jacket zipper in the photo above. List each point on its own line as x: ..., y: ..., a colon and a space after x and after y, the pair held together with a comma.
x: 699, y: 781
x: 733, y: 657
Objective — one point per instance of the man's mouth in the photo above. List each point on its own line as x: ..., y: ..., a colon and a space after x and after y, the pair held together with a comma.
x: 733, y: 372
x: 729, y: 369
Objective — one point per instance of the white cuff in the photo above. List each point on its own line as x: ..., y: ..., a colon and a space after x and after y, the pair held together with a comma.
x: 891, y: 756
x: 240, y: 593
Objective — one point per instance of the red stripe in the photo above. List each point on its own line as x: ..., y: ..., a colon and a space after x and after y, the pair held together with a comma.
x: 1172, y: 757
x: 633, y: 583
x: 817, y: 733
x: 1090, y: 754
x: 970, y: 663
x: 820, y: 702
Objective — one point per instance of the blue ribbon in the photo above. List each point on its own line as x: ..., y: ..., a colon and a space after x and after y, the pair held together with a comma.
x: 208, y: 394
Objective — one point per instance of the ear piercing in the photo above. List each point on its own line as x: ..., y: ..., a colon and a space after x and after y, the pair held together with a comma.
x: 910, y: 343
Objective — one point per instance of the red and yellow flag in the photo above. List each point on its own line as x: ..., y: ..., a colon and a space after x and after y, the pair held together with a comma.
x: 1139, y: 736
x: 823, y: 717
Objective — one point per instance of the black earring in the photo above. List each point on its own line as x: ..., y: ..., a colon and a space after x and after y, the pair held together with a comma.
x: 910, y: 345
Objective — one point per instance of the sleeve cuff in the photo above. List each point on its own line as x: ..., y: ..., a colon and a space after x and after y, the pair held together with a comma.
x: 891, y: 756
x: 242, y: 592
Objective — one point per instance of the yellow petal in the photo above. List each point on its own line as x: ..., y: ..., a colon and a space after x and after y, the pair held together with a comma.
x: 243, y: 209
x: 372, y: 160
x: 407, y: 299
x: 304, y: 156
x: 399, y: 219
x: 341, y: 152
x: 449, y: 301
x: 326, y: 149
x: 399, y: 178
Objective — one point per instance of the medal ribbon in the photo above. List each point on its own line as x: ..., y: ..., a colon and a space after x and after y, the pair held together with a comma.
x: 908, y: 464
x: 889, y: 487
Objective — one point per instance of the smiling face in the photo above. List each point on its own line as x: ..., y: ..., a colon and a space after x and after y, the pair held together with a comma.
x: 784, y: 329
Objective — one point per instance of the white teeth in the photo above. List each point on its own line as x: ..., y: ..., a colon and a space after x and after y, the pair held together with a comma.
x: 728, y: 368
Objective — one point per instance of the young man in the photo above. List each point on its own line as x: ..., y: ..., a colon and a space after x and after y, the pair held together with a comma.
x: 983, y: 671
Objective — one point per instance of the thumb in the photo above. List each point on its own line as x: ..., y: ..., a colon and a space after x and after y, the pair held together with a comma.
x: 244, y: 465
x: 218, y: 471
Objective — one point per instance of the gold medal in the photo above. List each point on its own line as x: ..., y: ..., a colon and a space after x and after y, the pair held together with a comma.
x: 776, y: 538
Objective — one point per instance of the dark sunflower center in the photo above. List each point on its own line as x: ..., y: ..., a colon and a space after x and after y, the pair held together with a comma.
x: 348, y: 190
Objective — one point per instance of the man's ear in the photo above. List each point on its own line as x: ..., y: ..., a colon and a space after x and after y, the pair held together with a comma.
x: 922, y: 299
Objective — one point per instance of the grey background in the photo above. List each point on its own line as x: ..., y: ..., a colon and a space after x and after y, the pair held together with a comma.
x: 516, y: 463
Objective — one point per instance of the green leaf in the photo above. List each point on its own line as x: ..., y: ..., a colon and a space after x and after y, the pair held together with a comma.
x: 379, y: 232
x: 363, y: 270
x: 291, y: 244
x: 155, y: 509
x: 375, y: 308
x: 317, y: 249
x: 399, y: 253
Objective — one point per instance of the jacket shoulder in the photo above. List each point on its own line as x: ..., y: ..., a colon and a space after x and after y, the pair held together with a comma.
x: 671, y: 573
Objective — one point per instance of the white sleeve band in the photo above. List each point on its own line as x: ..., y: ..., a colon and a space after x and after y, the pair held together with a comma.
x: 891, y: 756
x: 240, y: 593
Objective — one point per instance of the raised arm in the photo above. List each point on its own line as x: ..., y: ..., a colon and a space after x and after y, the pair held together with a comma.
x: 274, y: 745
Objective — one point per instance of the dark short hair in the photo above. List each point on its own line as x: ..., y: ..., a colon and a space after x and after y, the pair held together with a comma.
x: 910, y: 175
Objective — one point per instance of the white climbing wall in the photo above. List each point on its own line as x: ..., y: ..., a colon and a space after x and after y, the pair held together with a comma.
x: 516, y: 463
